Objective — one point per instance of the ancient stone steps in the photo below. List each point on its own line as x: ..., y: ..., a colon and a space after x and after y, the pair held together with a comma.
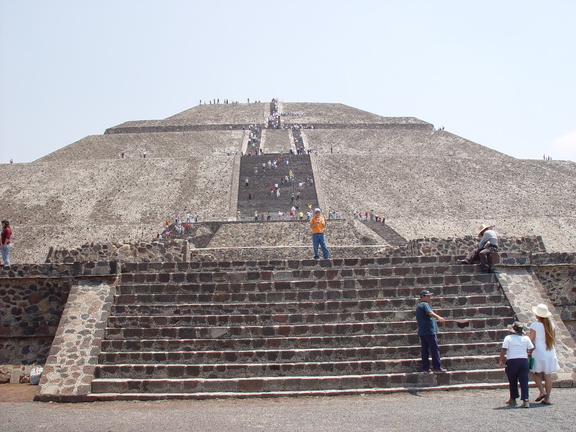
x: 386, y: 232
x: 283, y: 318
x: 318, y: 280
x: 262, y: 386
x: 292, y: 327
x: 279, y: 330
x: 433, y: 382
x: 298, y: 367
x: 146, y: 305
x: 259, y: 185
x: 280, y: 356
x: 394, y: 341
x: 284, y: 280
x: 137, y: 270
x: 459, y: 293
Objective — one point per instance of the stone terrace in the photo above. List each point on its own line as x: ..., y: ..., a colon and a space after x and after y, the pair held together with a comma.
x: 450, y: 196
x: 157, y: 145
x: 107, y: 200
x: 215, y: 114
x: 321, y: 113
x: 85, y: 192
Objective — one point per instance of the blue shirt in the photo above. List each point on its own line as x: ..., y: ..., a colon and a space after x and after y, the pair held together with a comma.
x: 426, y: 324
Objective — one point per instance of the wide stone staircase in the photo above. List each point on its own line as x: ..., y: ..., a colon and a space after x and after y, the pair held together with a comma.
x: 289, y: 327
x: 262, y: 176
x: 386, y: 232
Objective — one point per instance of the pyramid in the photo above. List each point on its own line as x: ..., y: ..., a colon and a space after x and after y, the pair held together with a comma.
x: 425, y: 182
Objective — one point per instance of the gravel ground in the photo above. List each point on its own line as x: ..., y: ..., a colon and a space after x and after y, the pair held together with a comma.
x: 464, y: 410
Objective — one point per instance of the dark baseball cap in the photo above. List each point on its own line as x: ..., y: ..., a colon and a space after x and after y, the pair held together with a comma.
x: 425, y: 293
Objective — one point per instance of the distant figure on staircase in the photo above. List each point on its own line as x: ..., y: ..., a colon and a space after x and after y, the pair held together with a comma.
x: 6, y: 244
x: 488, y: 245
x: 318, y: 224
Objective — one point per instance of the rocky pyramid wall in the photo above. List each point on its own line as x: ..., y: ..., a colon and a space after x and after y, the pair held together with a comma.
x: 426, y: 183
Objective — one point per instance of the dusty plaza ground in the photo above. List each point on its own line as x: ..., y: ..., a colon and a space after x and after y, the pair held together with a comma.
x: 466, y: 410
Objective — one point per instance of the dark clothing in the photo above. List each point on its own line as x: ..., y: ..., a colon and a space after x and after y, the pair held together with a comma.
x: 518, y: 370
x: 427, y: 329
x: 482, y: 255
x: 426, y: 324
x: 488, y: 245
x: 6, y: 234
x: 429, y: 348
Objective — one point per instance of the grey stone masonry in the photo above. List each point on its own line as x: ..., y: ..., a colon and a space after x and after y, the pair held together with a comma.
x: 524, y: 291
x: 69, y: 370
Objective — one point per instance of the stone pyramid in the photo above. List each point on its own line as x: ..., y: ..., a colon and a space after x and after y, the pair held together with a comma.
x: 425, y: 182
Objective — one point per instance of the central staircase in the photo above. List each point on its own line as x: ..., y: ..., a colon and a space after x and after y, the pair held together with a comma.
x: 288, y: 328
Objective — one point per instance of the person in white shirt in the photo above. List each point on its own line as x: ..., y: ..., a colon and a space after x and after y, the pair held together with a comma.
x: 514, y: 355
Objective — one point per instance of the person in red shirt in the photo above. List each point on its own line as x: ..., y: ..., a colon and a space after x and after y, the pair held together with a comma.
x: 6, y: 234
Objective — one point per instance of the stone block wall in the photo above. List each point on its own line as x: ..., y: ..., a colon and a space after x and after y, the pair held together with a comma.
x: 159, y: 251
x: 557, y: 274
x: 462, y: 246
x: 32, y: 298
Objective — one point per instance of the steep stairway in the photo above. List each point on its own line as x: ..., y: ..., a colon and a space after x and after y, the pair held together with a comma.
x: 262, y: 176
x: 288, y: 328
x: 386, y: 232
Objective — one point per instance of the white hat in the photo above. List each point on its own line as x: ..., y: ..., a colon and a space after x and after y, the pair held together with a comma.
x: 484, y: 227
x: 317, y: 209
x: 542, y: 311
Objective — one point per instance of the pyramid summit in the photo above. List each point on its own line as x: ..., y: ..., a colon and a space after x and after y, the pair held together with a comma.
x: 425, y: 182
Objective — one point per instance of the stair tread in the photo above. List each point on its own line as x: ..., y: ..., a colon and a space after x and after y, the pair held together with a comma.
x: 300, y: 377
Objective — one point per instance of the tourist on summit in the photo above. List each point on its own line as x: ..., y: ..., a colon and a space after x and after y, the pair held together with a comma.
x: 488, y: 244
x: 427, y: 330
x: 318, y: 225
x: 543, y: 336
x: 6, y: 245
x: 514, y: 355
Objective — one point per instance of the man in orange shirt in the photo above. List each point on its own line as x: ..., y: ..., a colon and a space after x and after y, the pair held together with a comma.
x: 318, y: 224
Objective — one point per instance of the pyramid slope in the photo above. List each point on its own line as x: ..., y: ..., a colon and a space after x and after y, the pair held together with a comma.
x: 425, y: 182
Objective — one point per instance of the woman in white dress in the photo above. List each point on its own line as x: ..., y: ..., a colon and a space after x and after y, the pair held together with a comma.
x: 543, y: 336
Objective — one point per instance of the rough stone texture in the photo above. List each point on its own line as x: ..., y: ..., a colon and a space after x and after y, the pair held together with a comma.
x: 69, y: 369
x: 525, y: 291
x: 158, y: 251
x: 29, y: 313
x: 426, y: 183
x: 297, y: 233
x: 559, y: 281
x: 462, y: 246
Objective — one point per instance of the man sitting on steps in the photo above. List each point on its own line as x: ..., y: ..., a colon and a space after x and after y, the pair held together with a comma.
x: 487, y: 246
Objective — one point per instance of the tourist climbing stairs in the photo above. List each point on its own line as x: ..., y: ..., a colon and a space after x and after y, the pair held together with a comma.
x: 289, y: 328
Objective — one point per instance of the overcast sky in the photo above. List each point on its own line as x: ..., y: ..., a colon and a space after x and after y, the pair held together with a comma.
x: 499, y: 73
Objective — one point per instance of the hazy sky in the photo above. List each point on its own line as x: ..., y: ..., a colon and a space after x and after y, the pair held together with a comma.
x: 499, y: 73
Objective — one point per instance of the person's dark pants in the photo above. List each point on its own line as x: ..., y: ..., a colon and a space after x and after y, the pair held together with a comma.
x: 517, y: 371
x: 429, y: 348
x: 482, y: 255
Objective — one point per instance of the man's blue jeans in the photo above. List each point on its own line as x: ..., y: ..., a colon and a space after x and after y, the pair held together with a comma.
x: 5, y: 252
x: 429, y: 348
x: 319, y: 240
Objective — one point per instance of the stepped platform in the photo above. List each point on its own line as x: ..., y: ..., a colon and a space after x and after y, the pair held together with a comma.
x: 295, y: 327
